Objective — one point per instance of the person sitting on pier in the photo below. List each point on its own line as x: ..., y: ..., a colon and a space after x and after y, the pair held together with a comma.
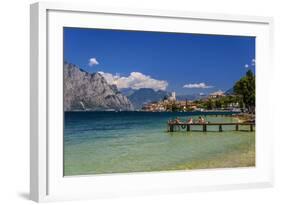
x: 201, y: 120
x: 190, y: 121
x: 177, y: 120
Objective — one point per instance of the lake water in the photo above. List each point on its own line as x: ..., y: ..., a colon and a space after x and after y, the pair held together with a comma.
x: 118, y: 142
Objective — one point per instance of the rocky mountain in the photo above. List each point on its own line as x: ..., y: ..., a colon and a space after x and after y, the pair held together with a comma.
x: 127, y: 91
x: 143, y: 96
x: 90, y: 91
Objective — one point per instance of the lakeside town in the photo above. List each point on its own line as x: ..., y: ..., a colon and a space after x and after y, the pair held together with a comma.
x: 241, y: 99
x: 216, y: 101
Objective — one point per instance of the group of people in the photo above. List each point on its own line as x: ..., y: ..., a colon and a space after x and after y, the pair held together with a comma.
x: 190, y: 120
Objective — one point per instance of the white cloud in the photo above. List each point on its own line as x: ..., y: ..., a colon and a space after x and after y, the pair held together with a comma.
x: 93, y: 61
x: 197, y: 85
x: 246, y: 66
x: 135, y: 80
x: 253, y: 62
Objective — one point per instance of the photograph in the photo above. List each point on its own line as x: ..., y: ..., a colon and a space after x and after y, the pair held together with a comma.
x: 149, y: 101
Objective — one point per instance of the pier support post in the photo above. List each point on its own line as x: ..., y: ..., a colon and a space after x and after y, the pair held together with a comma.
x: 204, y: 128
x: 237, y: 127
x: 251, y: 128
x: 188, y: 128
x: 171, y: 128
x: 220, y: 128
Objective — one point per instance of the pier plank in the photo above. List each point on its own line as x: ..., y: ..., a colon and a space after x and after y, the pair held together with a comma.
x: 205, y: 125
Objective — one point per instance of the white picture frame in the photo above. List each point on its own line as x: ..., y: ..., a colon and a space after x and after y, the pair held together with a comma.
x: 46, y: 180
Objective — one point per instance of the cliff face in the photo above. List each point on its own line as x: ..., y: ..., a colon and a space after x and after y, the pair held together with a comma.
x: 86, y: 91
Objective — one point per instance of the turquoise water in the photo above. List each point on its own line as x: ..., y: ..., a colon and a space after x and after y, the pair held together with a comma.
x: 117, y: 142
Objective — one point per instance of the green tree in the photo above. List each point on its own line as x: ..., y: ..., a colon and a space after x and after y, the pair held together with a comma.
x: 218, y: 103
x: 245, y: 88
x: 209, y: 104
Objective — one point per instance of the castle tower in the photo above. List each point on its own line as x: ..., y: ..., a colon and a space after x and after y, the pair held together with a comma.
x: 174, y: 95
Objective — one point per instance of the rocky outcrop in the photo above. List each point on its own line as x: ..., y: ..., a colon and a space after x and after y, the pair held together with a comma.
x: 90, y: 91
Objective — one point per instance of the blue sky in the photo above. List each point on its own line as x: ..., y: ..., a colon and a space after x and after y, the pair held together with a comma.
x: 185, y: 63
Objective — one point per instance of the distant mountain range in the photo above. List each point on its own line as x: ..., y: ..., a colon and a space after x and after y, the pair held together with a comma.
x: 229, y: 91
x: 191, y: 97
x: 90, y: 91
x: 143, y: 96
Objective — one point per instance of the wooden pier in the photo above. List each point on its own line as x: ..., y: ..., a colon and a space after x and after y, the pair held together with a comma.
x: 172, y: 126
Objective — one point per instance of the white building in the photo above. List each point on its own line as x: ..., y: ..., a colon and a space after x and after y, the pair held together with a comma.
x: 173, y: 97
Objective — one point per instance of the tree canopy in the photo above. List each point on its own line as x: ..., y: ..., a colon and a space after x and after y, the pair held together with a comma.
x: 245, y: 88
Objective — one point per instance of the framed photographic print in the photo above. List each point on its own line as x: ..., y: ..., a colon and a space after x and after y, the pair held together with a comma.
x: 127, y: 102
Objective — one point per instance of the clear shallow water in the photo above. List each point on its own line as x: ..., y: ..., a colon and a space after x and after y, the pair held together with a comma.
x: 115, y: 142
